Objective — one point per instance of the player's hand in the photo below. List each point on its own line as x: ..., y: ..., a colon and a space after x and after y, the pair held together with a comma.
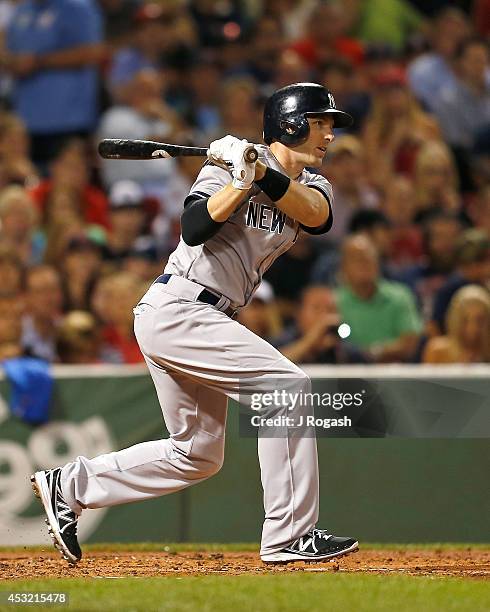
x: 229, y: 152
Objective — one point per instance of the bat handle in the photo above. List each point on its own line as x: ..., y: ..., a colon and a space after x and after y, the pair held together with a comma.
x: 251, y: 154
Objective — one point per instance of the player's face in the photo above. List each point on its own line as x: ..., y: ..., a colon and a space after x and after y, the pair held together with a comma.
x: 321, y: 135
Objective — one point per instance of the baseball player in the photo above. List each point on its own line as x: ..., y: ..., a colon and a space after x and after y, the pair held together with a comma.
x: 238, y: 218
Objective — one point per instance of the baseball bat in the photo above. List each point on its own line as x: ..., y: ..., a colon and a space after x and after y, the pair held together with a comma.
x: 117, y: 148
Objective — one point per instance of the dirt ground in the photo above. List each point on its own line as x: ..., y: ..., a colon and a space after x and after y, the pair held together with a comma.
x: 467, y: 563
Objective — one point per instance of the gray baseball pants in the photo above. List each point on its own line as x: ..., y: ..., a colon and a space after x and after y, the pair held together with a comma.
x: 198, y: 357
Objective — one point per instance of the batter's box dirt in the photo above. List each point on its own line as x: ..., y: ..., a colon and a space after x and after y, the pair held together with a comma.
x: 467, y: 563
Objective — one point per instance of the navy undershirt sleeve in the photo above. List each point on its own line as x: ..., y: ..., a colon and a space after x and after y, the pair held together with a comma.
x: 196, y: 223
x: 325, y: 227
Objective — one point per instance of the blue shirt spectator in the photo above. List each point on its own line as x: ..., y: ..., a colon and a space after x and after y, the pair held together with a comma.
x: 463, y: 107
x: 53, y: 94
x: 429, y: 73
x: 152, y: 39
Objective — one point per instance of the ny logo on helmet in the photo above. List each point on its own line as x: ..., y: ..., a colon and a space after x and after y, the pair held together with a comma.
x: 331, y: 101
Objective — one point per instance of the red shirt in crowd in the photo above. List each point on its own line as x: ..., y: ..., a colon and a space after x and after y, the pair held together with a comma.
x: 309, y: 51
x: 127, y: 349
x: 407, y: 246
x: 94, y: 202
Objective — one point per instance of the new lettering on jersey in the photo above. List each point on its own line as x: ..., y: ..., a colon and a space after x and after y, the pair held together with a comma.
x: 265, y: 217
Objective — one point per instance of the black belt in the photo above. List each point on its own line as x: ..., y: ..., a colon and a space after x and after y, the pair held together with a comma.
x: 205, y: 296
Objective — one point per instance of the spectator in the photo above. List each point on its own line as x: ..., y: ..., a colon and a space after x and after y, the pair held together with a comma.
x: 313, y: 337
x: 114, y: 299
x: 378, y: 59
x: 44, y: 300
x: 375, y: 225
x: 239, y: 109
x: 435, y: 181
x: 440, y: 236
x: 388, y: 21
x: 326, y: 37
x: 232, y: 56
x: 463, y: 106
x: 290, y: 274
x: 345, y: 169
x: 12, y: 272
x: 127, y: 215
x: 152, y: 36
x: 78, y: 338
x: 70, y: 189
x: 14, y: 152
x: 144, y: 260
x: 261, y: 314
x: 433, y: 71
x: 143, y: 115
x: 406, y: 238
x: 468, y: 330
x: 117, y: 16
x: 80, y: 268
x: 473, y: 267
x: 205, y: 81
x: 265, y: 46
x: 18, y: 224
x: 58, y: 234
x: 395, y: 128
x: 54, y: 48
x: 381, y: 314
x: 171, y: 30
x: 370, y: 223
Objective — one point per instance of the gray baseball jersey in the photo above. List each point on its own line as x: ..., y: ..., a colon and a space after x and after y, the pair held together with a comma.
x: 234, y: 260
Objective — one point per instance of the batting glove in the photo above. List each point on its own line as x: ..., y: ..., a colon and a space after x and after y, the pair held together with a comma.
x: 229, y: 152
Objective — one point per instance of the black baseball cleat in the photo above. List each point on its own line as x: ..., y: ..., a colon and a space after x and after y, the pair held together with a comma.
x: 316, y: 545
x: 60, y: 518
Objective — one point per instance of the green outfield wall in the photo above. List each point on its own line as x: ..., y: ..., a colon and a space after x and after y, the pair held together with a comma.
x: 385, y: 489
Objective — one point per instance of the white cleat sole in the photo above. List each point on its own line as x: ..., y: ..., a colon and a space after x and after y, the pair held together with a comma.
x: 41, y: 491
x: 289, y: 557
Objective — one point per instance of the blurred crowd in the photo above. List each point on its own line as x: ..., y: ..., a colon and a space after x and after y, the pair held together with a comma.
x: 407, y: 263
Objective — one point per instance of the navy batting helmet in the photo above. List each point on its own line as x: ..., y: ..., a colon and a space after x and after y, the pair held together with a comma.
x: 286, y: 112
